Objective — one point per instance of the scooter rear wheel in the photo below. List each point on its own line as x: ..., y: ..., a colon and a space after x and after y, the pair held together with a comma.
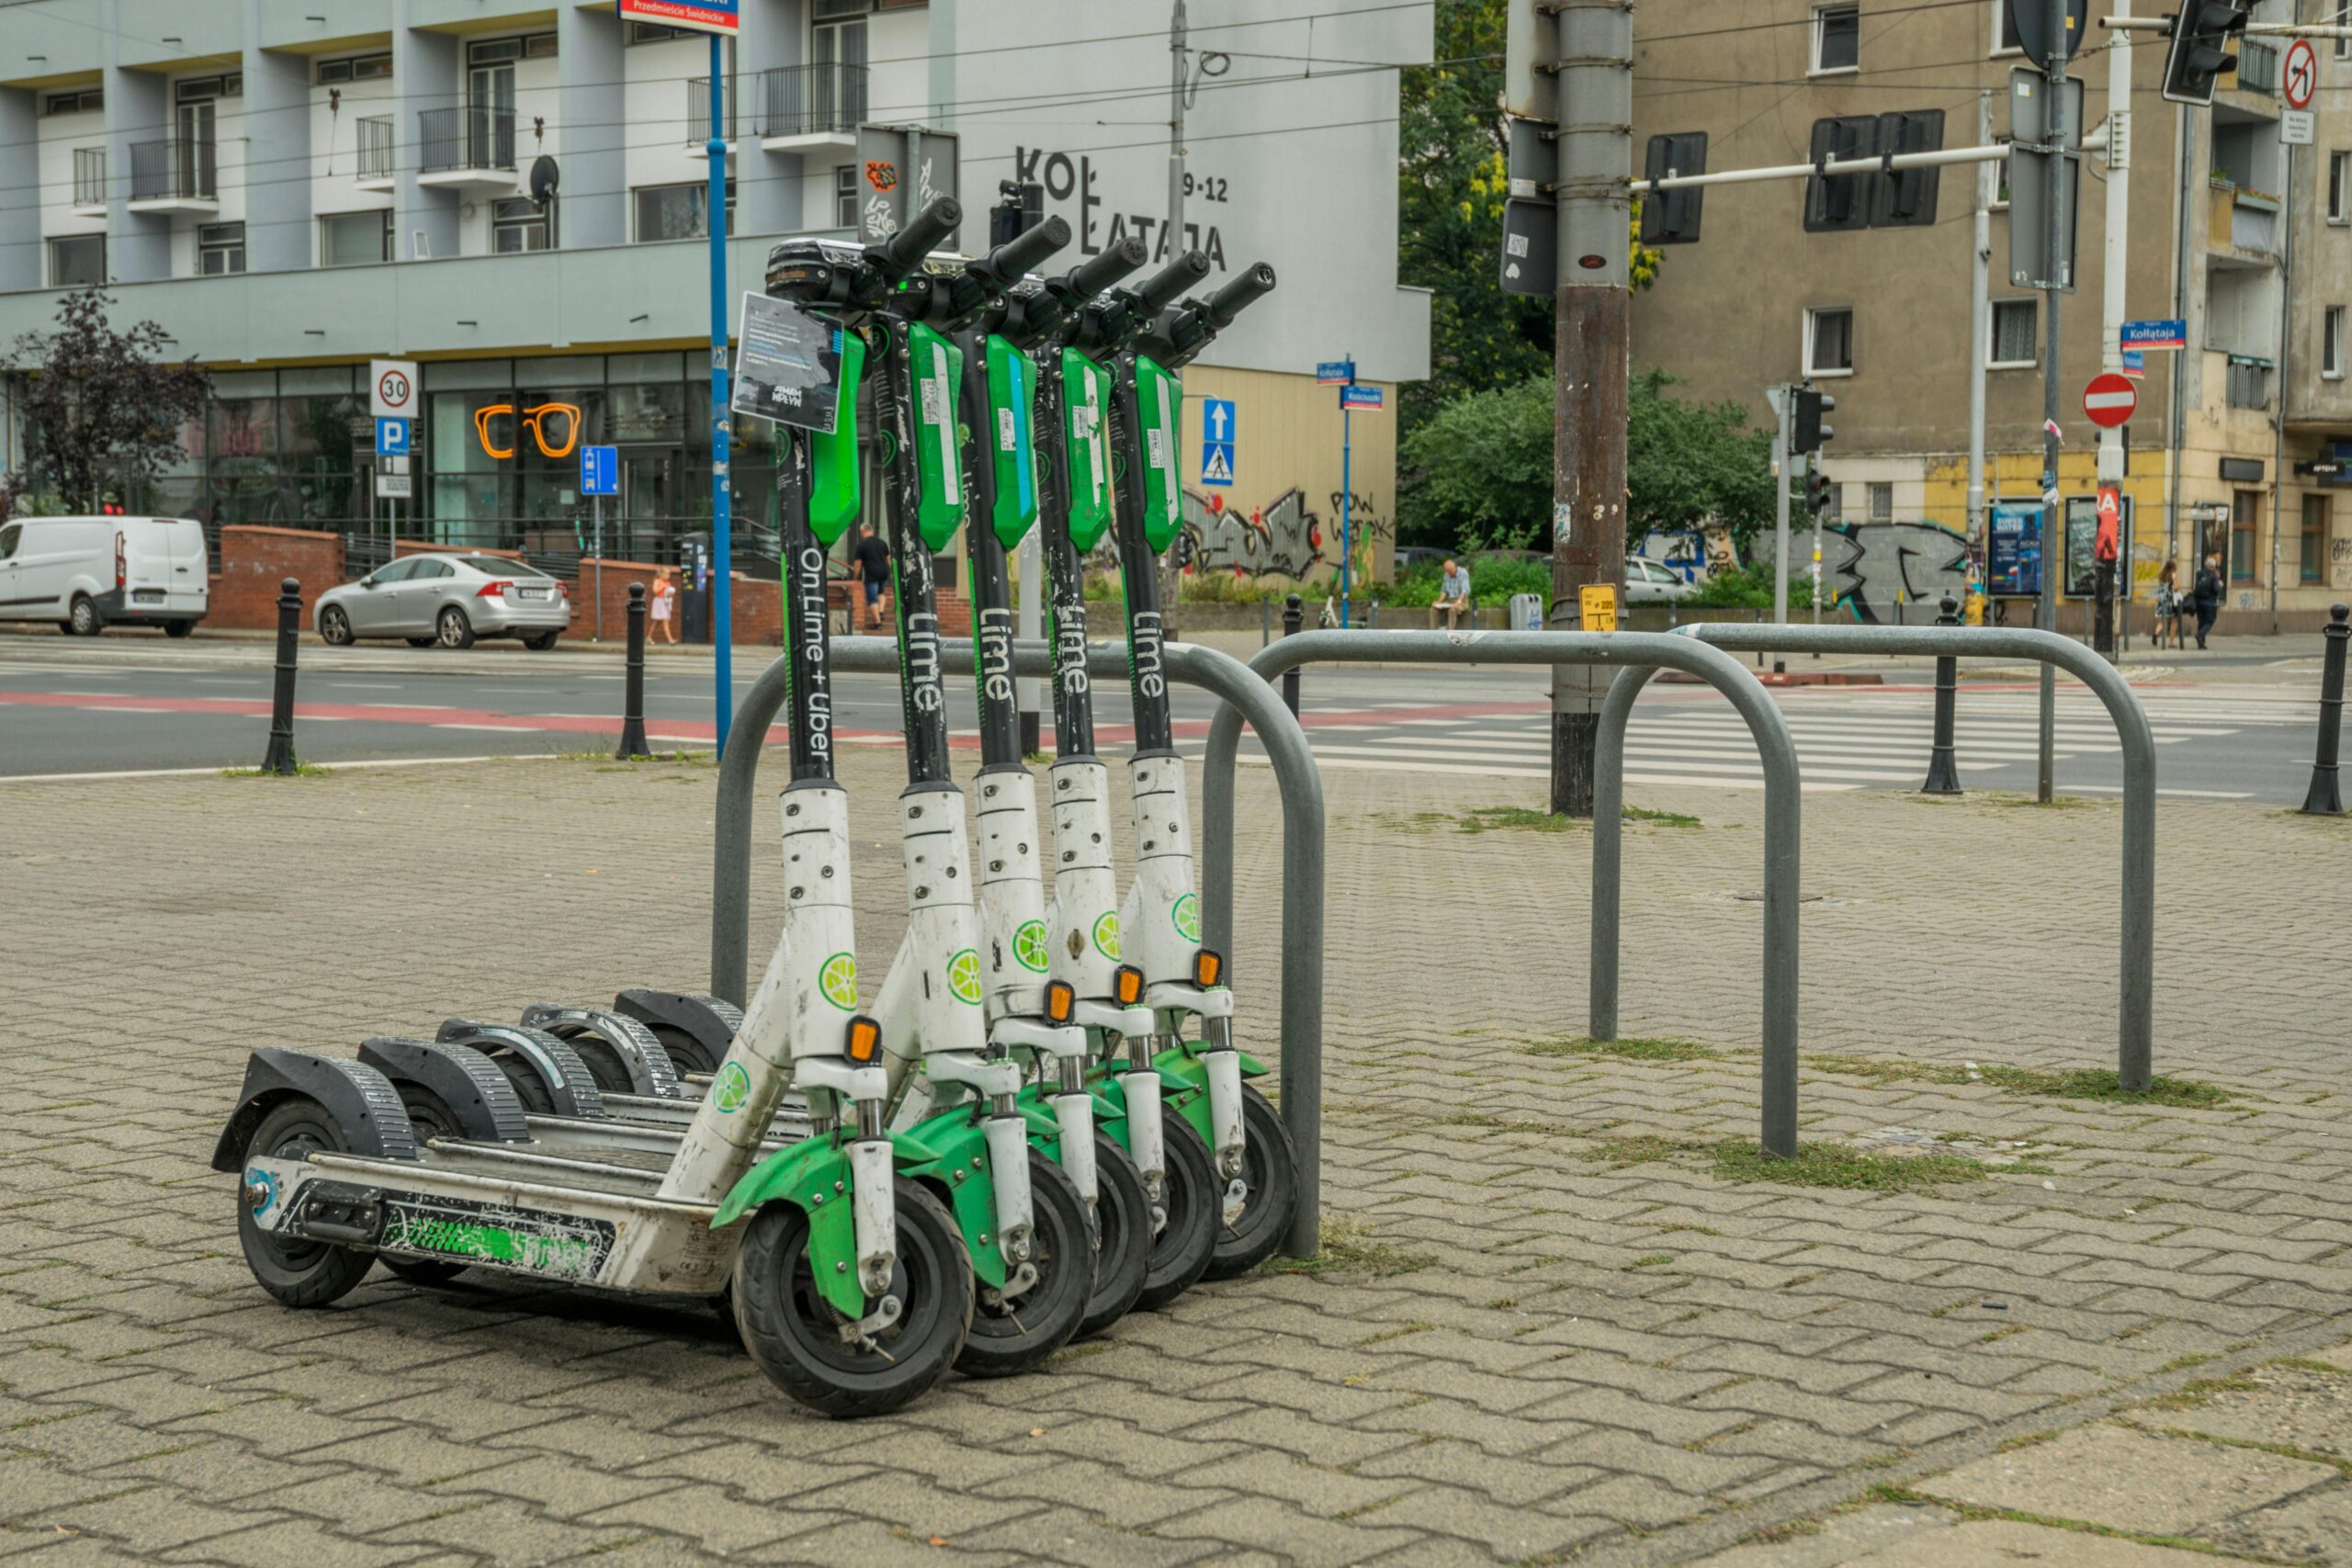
x: 795, y: 1335
x: 1270, y: 1165
x: 687, y: 1052
x: 1012, y: 1336
x: 1180, y: 1253
x: 1121, y: 1238
x: 298, y: 1274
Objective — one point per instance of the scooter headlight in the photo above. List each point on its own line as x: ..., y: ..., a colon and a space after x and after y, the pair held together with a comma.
x: 862, y: 1042
x: 1208, y: 968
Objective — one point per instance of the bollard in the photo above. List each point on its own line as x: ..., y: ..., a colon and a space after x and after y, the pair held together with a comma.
x: 1943, y: 774
x: 633, y: 699
x: 280, y: 758
x: 2325, y: 798
x: 1294, y: 613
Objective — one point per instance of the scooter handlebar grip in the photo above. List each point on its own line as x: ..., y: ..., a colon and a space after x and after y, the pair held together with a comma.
x: 1092, y: 277
x: 1026, y: 250
x: 1235, y: 296
x: 1166, y: 286
x: 904, y: 251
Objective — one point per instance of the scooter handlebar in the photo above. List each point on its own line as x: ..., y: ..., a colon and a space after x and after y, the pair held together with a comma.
x: 1092, y: 277
x: 904, y: 251
x: 1003, y: 266
x: 1235, y: 296
x: 1166, y: 286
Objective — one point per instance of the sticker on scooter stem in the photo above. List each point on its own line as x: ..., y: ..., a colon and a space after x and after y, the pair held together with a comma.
x: 964, y: 976
x: 1186, y: 917
x: 1029, y: 945
x: 838, y: 981
x: 732, y: 1089
x: 1106, y: 937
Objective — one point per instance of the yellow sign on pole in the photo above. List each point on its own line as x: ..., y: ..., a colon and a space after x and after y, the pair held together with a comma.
x: 1597, y: 606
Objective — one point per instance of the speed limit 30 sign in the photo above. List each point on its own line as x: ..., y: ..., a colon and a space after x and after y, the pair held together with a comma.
x: 391, y: 388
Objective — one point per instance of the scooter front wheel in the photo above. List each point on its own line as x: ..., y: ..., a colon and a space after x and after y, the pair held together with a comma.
x: 1269, y: 1165
x: 1122, y: 1236
x: 795, y: 1334
x: 298, y: 1273
x: 1014, y: 1335
x: 1180, y: 1253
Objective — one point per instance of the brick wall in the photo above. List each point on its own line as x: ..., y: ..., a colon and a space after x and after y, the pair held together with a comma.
x: 757, y: 604
x: 255, y: 560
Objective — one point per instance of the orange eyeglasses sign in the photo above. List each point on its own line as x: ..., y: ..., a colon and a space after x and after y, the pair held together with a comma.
x: 534, y: 421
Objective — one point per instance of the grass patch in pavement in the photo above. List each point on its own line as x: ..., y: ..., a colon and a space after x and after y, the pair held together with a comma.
x: 1662, y: 818
x: 1640, y: 1149
x: 1834, y: 1164
x: 301, y: 770
x: 1350, y: 1247
x: 1659, y: 1050
x: 2090, y: 1084
x: 1526, y: 820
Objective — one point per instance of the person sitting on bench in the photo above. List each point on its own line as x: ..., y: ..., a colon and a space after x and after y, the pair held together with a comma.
x: 1454, y: 597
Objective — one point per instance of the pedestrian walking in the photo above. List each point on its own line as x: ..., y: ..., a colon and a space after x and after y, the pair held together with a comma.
x: 661, y: 607
x: 2208, y: 596
x: 2169, y: 603
x: 1452, y: 598
x: 871, y: 558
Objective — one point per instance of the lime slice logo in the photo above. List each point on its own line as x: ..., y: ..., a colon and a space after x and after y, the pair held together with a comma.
x: 1106, y: 937
x: 964, y: 976
x: 1029, y: 945
x: 1187, y: 917
x: 732, y: 1088
x: 838, y: 981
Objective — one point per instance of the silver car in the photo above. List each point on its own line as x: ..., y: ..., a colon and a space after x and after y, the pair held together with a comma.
x: 1648, y: 582
x: 446, y: 598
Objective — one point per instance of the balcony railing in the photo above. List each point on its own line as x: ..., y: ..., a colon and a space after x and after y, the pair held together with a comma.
x: 473, y: 137
x: 2257, y: 67
x: 2249, y: 383
x: 174, y: 170
x: 89, y: 177
x: 786, y: 100
x: 376, y: 148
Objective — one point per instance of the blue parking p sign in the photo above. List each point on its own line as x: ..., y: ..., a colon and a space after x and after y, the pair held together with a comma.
x: 1216, y: 441
x: 391, y: 437
x: 600, y: 470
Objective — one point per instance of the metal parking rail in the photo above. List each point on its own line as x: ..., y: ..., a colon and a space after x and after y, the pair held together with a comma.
x: 1294, y: 773
x: 2135, y: 1004
x: 1643, y: 652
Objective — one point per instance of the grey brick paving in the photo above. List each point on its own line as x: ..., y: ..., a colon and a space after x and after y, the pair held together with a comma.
x: 1531, y: 1344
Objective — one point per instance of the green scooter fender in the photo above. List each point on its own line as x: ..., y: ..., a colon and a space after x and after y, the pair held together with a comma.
x: 951, y: 1145
x: 1186, y: 1080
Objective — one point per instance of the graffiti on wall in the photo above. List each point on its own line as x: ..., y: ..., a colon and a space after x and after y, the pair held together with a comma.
x: 1281, y: 538
x: 1688, y: 553
x: 1874, y: 566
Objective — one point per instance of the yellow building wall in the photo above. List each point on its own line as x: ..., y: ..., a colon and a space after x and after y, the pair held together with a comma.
x: 1287, y: 437
x: 2016, y: 476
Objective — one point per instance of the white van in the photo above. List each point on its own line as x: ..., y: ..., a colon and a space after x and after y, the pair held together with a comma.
x: 88, y: 573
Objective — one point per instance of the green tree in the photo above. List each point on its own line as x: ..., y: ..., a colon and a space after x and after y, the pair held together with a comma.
x: 1692, y: 464
x: 102, y: 409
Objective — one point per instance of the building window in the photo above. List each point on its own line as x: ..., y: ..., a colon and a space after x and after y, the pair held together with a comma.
x: 657, y: 32
x: 356, y: 239
x: 2005, y: 29
x: 355, y: 68
x: 197, y: 89
x: 2245, y: 522
x: 219, y: 249
x: 2316, y: 508
x: 84, y: 101
x: 2331, y: 342
x: 1829, y: 342
x: 2339, y: 187
x: 845, y: 197
x: 77, y: 263
x: 2343, y: 17
x: 1836, y: 39
x: 505, y: 51
x: 2014, y: 328
x: 518, y: 223
x: 678, y: 212
x: 1882, y: 502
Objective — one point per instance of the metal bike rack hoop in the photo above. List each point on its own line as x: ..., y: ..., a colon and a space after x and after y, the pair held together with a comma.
x: 1641, y: 652
x: 1217, y: 673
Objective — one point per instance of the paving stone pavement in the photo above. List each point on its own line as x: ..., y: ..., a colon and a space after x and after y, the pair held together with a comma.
x: 1545, y: 1327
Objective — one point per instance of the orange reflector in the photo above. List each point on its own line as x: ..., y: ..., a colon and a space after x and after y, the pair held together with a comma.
x: 1129, y: 981
x: 865, y: 1040
x: 1060, y: 1000
x: 1208, y: 968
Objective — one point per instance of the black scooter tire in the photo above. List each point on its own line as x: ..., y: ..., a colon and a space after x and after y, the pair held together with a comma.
x: 1121, y: 1238
x: 302, y: 1273
x: 1270, y: 1165
x: 1024, y: 1332
x: 687, y: 1052
x: 1180, y: 1252
x: 790, y: 1330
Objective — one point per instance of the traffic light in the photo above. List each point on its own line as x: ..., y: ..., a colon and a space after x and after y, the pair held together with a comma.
x: 2201, y: 53
x: 1820, y: 495
x: 1806, y: 431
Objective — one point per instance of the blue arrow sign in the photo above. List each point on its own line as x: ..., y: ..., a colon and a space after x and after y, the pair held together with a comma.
x: 1217, y: 425
x: 391, y: 437
x: 2173, y: 333
x: 600, y: 470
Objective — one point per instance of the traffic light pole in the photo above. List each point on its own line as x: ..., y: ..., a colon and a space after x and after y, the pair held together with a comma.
x: 2054, y: 559
x: 1782, y: 400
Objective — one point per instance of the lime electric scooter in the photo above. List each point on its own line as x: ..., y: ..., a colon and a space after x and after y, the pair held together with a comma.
x: 1160, y: 919
x: 853, y: 1285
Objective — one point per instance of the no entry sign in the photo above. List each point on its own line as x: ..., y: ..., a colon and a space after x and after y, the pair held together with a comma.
x: 2109, y: 400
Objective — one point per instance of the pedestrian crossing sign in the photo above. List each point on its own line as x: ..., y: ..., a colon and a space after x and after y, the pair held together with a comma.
x: 1216, y: 441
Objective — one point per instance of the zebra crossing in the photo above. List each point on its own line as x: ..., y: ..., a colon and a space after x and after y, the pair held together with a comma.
x: 1846, y: 738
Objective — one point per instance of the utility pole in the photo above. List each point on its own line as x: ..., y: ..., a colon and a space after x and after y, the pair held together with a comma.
x: 1592, y: 308
x: 2118, y: 276
x: 1783, y: 474
x: 2053, y: 541
x: 1177, y: 48
x: 1980, y: 337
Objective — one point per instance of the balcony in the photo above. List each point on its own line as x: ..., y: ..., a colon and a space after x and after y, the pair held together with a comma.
x: 790, y: 108
x: 2242, y: 227
x: 90, y: 182
x: 2249, y: 382
x: 2257, y: 68
x: 470, y: 148
x: 376, y: 172
x: 175, y: 176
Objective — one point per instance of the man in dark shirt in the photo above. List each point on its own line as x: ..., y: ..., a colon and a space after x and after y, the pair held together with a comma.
x: 872, y: 559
